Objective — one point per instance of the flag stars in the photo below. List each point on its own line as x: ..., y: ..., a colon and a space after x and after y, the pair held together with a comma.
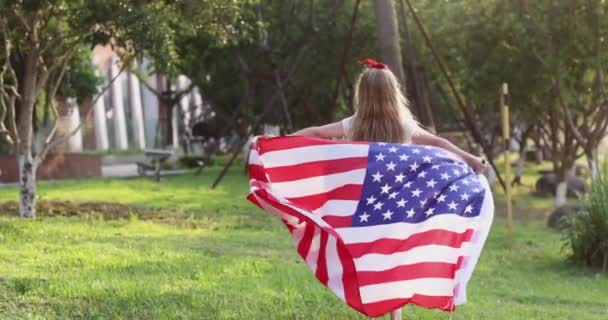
x: 441, y: 198
x: 431, y: 183
x: 445, y: 176
x: 423, y: 203
x: 456, y: 172
x: 387, y: 215
x: 415, y: 151
x: 407, y: 185
x: 380, y: 157
x: 410, y: 213
x: 435, y: 166
x: 404, y: 157
x: 454, y: 187
x: 371, y: 199
x: 416, y: 193
x: 426, y: 159
x: 393, y: 195
x: 401, y: 203
x: 399, y: 177
x: 414, y: 166
x: 392, y: 149
x: 378, y: 205
x: 464, y: 197
x: 429, y: 212
x: 452, y: 205
x: 390, y: 166
x: 422, y: 174
x: 377, y: 176
x: 364, y: 217
x: 468, y: 209
x: 385, y: 188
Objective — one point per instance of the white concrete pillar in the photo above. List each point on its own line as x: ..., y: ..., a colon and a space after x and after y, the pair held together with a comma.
x: 179, y: 113
x: 197, y: 100
x: 137, y: 116
x: 101, y: 126
x: 150, y: 105
x: 120, y: 125
x: 175, y: 127
x: 75, y: 141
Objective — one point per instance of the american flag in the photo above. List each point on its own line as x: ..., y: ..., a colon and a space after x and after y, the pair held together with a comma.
x: 380, y: 224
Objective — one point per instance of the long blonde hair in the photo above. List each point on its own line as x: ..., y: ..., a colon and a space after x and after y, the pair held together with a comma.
x: 381, y: 109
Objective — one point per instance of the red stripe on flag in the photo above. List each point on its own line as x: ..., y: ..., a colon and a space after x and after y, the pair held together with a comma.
x: 389, y: 246
x: 338, y: 221
x: 251, y: 197
x: 349, y: 279
x: 290, y: 228
x: 409, y: 272
x: 315, y: 201
x: 256, y: 172
x: 379, y: 308
x: 321, y: 272
x: 292, y: 142
x: 315, y: 169
x: 306, y: 241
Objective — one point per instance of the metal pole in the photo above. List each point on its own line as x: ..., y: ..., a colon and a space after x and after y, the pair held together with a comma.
x: 504, y: 110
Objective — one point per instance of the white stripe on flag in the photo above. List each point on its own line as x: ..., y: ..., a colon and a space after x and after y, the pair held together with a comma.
x: 317, y: 185
x: 341, y: 208
x: 403, y: 230
x: 254, y: 157
x: 486, y: 216
x: 301, y: 155
x: 406, y: 289
x: 428, y: 253
x: 313, y: 252
x: 334, y: 268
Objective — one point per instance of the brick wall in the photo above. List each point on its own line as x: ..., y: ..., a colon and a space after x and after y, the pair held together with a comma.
x: 55, y: 166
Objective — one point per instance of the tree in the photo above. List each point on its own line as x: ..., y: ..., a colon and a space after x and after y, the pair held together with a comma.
x: 39, y: 39
x: 388, y: 37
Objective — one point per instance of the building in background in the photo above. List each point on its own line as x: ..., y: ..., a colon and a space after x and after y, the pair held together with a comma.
x: 131, y: 115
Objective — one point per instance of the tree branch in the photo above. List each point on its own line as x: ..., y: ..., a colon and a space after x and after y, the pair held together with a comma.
x: 51, y: 143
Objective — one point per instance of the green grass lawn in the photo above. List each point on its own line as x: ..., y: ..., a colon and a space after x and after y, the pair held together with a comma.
x: 215, y: 256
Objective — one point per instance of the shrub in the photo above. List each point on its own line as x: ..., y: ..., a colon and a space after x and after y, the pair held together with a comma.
x: 191, y: 161
x: 586, y: 233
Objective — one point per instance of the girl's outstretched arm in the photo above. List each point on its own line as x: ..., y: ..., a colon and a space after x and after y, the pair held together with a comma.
x: 427, y: 138
x: 328, y: 131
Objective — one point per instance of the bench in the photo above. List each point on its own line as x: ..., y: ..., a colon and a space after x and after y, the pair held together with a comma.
x: 154, y: 157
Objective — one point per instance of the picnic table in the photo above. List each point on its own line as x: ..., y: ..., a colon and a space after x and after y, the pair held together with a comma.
x: 154, y: 157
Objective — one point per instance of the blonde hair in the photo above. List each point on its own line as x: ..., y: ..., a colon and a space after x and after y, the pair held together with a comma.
x: 381, y: 109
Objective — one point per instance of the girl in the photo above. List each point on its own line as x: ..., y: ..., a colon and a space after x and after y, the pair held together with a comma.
x: 382, y: 114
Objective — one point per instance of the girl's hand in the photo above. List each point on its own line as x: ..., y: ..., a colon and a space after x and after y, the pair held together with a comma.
x: 478, y: 164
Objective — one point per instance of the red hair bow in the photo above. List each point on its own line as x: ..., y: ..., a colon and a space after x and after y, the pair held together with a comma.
x: 371, y: 63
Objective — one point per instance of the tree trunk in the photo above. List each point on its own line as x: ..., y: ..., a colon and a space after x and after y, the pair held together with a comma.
x: 521, y: 161
x: 388, y: 36
x: 561, y: 192
x: 25, y: 159
x: 27, y: 184
x: 422, y: 108
x: 592, y: 162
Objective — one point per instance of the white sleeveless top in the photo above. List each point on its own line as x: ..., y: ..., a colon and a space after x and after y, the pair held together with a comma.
x: 410, y: 125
